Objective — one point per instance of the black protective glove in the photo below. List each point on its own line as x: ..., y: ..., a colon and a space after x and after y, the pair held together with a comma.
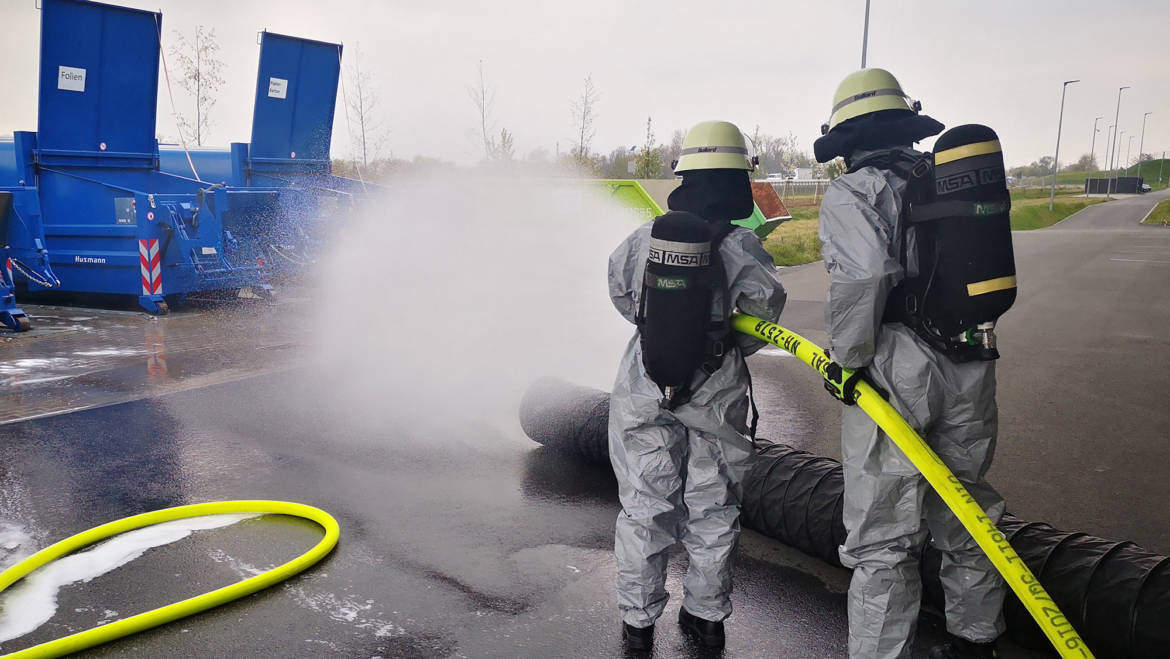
x: 841, y: 382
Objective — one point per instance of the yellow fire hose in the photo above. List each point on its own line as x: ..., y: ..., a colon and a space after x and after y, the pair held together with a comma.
x: 1055, y: 625
x: 126, y: 626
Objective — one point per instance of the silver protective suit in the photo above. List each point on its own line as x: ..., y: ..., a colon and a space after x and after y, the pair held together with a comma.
x: 889, y: 508
x: 679, y: 472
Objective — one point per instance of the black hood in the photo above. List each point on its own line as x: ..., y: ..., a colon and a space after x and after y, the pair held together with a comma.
x: 716, y: 195
x: 877, y: 130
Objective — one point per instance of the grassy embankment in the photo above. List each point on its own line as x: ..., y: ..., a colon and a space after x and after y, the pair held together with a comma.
x: 796, y: 242
x: 1161, y: 214
x: 1031, y: 212
x: 1149, y: 174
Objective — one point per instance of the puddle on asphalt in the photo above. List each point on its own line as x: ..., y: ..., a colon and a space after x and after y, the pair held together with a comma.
x: 13, y: 382
x: 26, y: 365
x: 120, y: 355
x: 40, y: 370
x: 108, y: 353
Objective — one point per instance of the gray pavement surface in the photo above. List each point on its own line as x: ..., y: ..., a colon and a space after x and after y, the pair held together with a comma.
x: 464, y: 539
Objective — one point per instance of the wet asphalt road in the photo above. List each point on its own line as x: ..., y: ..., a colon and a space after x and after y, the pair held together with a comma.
x: 457, y: 544
x: 463, y: 539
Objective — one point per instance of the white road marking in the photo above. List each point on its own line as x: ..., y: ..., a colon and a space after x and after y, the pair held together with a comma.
x: 1140, y: 260
x: 1150, y: 212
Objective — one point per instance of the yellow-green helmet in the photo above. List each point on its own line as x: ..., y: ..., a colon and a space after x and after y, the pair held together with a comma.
x: 714, y: 145
x: 865, y: 92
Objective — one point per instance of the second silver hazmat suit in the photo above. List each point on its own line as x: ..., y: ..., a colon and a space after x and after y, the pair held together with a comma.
x: 679, y: 472
x: 889, y: 508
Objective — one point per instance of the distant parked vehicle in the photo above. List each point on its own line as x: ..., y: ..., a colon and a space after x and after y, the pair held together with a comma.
x: 1145, y: 187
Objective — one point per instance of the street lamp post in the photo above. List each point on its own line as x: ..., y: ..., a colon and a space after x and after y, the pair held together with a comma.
x: 1105, y: 165
x: 1056, y: 158
x: 1108, y: 141
x: 1093, y: 146
x: 1142, y: 143
x: 1113, y: 171
x: 1116, y: 117
x: 865, y: 35
x: 1117, y: 156
x: 1128, y: 153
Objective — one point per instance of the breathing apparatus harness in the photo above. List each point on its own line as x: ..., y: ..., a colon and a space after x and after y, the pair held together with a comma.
x: 957, y: 204
x: 678, y: 337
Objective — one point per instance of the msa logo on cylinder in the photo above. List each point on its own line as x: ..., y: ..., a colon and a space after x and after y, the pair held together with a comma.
x: 70, y: 79
x: 277, y: 88
x: 690, y: 260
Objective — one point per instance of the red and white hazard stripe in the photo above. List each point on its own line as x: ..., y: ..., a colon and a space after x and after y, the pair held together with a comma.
x: 151, y: 263
x: 8, y: 268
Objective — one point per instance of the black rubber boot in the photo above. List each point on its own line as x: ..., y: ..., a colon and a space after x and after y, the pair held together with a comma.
x: 708, y: 633
x: 638, y: 639
x: 961, y: 648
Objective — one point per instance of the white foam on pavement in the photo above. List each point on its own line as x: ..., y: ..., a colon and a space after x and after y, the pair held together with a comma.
x: 33, y: 601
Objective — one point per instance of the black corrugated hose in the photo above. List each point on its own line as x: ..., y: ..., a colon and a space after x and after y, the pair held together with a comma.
x: 1116, y: 594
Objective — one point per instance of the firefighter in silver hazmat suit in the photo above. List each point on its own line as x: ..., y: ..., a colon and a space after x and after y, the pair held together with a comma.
x: 889, y: 509
x: 679, y: 471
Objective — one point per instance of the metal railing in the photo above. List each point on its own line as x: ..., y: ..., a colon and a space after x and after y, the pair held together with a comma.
x: 814, y: 188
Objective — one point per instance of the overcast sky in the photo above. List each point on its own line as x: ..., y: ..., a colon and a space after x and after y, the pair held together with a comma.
x: 772, y: 63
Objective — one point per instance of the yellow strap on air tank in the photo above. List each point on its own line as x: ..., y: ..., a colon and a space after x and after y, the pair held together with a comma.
x: 126, y: 626
x: 967, y: 151
x: 991, y: 285
x: 1055, y: 625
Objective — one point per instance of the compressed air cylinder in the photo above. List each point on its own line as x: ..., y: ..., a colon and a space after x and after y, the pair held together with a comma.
x: 1116, y: 594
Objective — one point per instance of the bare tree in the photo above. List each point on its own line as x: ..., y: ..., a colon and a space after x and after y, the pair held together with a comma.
x: 199, y: 75
x: 757, y: 139
x: 648, y: 161
x: 484, y: 97
x: 673, y: 151
x: 584, y: 114
x: 779, y: 154
x: 361, y: 100
x: 1084, y: 164
x: 506, y: 149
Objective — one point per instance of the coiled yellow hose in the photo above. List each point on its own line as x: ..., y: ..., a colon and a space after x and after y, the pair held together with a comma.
x: 126, y: 626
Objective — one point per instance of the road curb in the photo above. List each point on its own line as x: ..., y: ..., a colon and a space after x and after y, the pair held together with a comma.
x: 1150, y: 212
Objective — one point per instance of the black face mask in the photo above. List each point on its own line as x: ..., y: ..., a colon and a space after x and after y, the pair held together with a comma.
x: 870, y: 132
x: 716, y: 195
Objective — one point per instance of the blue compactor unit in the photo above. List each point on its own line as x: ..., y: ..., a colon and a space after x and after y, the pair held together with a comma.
x: 112, y: 222
x: 292, y: 126
x: 22, y: 242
